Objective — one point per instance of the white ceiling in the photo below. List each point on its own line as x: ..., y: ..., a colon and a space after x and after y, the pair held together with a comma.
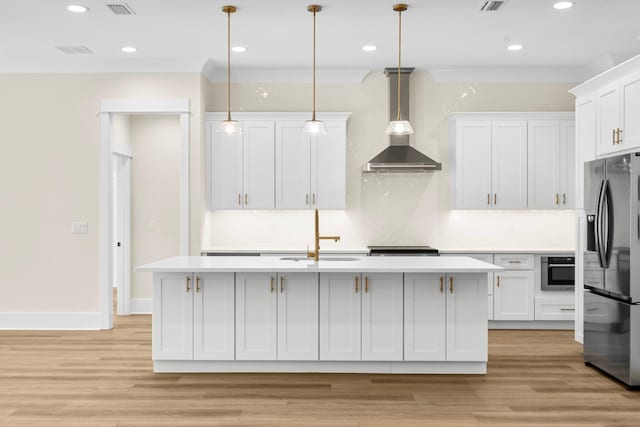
x: 277, y: 33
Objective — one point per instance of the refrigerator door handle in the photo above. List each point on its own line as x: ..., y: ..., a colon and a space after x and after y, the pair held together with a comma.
x: 608, y: 239
x: 598, y: 226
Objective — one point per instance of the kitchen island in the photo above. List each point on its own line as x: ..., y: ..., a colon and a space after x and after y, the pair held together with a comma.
x: 339, y: 314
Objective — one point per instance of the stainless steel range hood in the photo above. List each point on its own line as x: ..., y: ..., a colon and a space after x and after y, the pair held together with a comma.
x: 400, y: 156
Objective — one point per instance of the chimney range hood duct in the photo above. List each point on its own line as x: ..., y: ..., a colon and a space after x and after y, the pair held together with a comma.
x: 399, y: 156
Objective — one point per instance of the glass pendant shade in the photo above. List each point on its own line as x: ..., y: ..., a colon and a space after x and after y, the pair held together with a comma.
x: 230, y: 127
x: 399, y: 127
x: 314, y: 127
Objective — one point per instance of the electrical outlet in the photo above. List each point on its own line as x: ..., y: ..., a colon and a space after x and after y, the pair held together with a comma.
x: 79, y: 227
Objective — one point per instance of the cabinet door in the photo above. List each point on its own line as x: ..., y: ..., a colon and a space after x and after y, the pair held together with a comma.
x: 567, y: 164
x: 544, y: 164
x: 298, y: 316
x: 509, y: 164
x: 467, y: 317
x: 586, y: 136
x: 226, y: 169
x: 630, y: 93
x: 259, y: 164
x: 382, y: 317
x: 608, y: 116
x: 172, y: 316
x: 293, y: 166
x: 328, y: 167
x: 214, y: 316
x: 513, y: 295
x: 340, y: 321
x: 256, y: 310
x: 473, y: 164
x: 424, y: 317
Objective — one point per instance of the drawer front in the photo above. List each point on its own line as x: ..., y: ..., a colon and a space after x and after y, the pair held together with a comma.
x: 554, y: 310
x: 514, y: 261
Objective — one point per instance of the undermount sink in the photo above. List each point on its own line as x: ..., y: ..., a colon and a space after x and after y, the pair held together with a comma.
x: 330, y: 258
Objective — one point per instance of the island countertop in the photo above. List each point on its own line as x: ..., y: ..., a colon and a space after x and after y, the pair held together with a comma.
x: 185, y: 264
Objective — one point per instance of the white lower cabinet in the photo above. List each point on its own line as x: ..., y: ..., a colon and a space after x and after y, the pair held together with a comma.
x: 513, y: 295
x: 424, y: 317
x: 340, y: 316
x: 298, y: 316
x: 382, y: 317
x: 467, y: 328
x: 193, y: 316
x: 256, y: 315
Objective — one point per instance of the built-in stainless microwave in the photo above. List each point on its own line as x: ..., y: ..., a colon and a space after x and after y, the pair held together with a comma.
x: 558, y: 273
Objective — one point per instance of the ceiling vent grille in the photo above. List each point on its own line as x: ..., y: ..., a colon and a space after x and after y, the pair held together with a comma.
x: 74, y: 50
x: 491, y: 5
x: 121, y: 9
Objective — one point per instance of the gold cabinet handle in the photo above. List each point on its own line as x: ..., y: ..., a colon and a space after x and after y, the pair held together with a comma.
x: 498, y: 278
x: 495, y: 198
x: 188, y: 283
x: 488, y: 199
x: 306, y: 200
x: 366, y: 284
x: 246, y: 199
x: 314, y: 198
x: 272, y: 279
x: 557, y: 199
x: 197, y: 284
x: 619, y: 139
x: 564, y: 198
x: 239, y: 199
x: 451, y: 284
x: 357, y: 284
x: 613, y: 136
x: 281, y: 284
x: 441, y: 284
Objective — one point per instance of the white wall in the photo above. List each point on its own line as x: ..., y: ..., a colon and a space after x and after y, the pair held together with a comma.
x: 392, y: 208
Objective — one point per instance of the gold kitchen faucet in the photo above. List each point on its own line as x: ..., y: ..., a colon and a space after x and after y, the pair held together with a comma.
x: 316, y: 254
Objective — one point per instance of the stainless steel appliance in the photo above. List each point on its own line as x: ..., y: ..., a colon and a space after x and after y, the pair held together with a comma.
x: 558, y: 273
x: 612, y: 267
x: 403, y: 251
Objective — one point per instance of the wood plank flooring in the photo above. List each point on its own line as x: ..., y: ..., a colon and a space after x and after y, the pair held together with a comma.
x: 104, y: 378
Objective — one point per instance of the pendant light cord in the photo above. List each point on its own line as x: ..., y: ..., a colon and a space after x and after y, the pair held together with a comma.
x: 313, y: 115
x: 399, y: 56
x: 228, y: 66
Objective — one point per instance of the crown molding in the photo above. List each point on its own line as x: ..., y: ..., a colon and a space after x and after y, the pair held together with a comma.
x: 95, y: 65
x: 510, y: 74
x: 268, y: 115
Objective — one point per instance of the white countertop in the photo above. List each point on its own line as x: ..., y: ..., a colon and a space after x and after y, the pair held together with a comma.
x: 507, y: 251
x: 362, y: 264
x: 337, y: 251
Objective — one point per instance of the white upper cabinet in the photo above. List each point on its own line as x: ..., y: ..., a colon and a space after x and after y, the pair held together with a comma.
x: 509, y: 164
x: 258, y: 166
x: 608, y: 117
x: 382, y: 317
x: 273, y: 165
x: 630, y: 126
x: 293, y: 166
x: 567, y: 164
x: 473, y: 165
x: 544, y: 164
x: 298, y: 316
x: 585, y: 143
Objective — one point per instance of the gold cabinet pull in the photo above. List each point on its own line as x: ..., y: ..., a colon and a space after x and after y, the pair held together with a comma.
x: 488, y: 199
x: 495, y: 198
x: 564, y: 198
x: 281, y: 284
x: 498, y: 278
x: 619, y: 139
x: 306, y: 200
x: 197, y: 284
x: 441, y: 284
x: 246, y: 199
x: 557, y: 199
x: 188, y: 283
x: 239, y: 199
x: 357, y: 284
x: 451, y: 284
x: 314, y: 198
x: 366, y: 284
x: 272, y: 279
x: 613, y: 136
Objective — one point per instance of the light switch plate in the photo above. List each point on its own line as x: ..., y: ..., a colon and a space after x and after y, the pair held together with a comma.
x: 79, y: 227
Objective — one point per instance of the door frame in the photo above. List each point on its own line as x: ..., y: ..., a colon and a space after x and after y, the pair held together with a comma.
x: 108, y: 107
x: 123, y: 181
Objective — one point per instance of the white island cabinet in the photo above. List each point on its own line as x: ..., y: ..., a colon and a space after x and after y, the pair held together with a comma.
x: 371, y: 314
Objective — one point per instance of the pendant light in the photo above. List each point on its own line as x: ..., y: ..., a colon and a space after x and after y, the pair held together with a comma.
x: 228, y: 126
x: 399, y: 126
x: 313, y: 126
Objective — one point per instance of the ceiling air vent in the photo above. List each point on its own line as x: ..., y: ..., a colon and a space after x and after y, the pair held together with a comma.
x: 491, y: 5
x: 74, y: 50
x: 121, y: 9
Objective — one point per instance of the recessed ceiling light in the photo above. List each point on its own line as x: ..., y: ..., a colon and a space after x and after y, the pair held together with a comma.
x: 128, y: 49
x: 369, y: 48
x: 77, y: 8
x: 514, y: 47
x: 239, y: 49
x: 563, y: 5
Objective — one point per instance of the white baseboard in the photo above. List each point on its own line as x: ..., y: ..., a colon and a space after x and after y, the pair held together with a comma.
x: 533, y: 324
x: 140, y: 305
x: 50, y: 321
x: 579, y: 338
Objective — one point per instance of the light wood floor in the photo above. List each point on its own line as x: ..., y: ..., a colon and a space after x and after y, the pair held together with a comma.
x: 104, y: 378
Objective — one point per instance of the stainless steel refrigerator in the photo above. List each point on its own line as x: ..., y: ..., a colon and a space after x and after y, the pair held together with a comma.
x: 612, y: 267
